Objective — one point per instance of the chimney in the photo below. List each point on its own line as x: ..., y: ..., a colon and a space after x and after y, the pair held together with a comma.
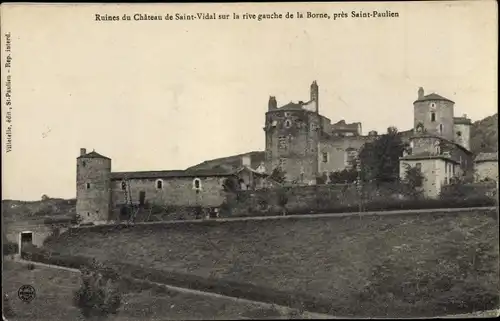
x: 464, y: 116
x: 420, y: 93
x: 83, y: 151
x: 273, y: 104
x: 246, y: 160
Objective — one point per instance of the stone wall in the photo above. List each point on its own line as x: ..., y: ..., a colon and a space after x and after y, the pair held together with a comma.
x: 471, y: 190
x: 312, y: 198
x: 175, y: 191
x: 40, y: 230
x: 336, y: 149
x: 486, y: 170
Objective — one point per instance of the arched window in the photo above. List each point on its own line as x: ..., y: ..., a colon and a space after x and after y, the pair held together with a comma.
x: 197, y: 184
x: 440, y: 128
x: 159, y: 184
x: 124, y: 185
x: 437, y: 148
x: 87, y: 185
x: 288, y: 123
x: 433, y: 116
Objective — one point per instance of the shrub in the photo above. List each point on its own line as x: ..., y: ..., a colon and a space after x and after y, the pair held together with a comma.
x: 7, y: 308
x: 99, y: 294
x: 10, y: 248
x: 31, y: 266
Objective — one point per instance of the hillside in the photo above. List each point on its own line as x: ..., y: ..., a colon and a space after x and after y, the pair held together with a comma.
x: 231, y: 162
x: 388, y: 266
x: 13, y: 210
x: 484, y: 135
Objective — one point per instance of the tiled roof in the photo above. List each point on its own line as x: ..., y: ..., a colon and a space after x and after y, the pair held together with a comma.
x: 93, y: 154
x: 170, y: 174
x: 427, y: 155
x: 292, y: 106
x: 486, y: 157
x: 433, y: 96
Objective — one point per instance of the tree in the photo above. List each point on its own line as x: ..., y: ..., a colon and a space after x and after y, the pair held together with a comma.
x: 99, y: 294
x: 278, y: 175
x: 321, y: 179
x: 379, y: 160
x: 230, y: 185
x: 414, y: 178
x: 282, y: 200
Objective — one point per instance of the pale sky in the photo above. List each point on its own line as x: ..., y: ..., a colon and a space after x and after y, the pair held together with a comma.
x: 160, y: 95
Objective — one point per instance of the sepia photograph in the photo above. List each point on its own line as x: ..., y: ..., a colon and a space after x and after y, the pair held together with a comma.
x: 226, y: 161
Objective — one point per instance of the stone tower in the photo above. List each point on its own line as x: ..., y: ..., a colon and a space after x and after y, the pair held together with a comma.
x: 433, y: 114
x: 292, y: 139
x: 93, y: 187
x: 462, y: 131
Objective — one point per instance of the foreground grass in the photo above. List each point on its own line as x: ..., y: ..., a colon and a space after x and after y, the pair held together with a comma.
x: 55, y: 290
x: 418, y: 265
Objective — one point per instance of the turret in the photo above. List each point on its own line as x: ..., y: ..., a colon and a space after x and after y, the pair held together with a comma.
x: 462, y: 126
x: 273, y: 104
x: 420, y: 93
x: 315, y: 95
x: 93, y: 187
x: 433, y: 114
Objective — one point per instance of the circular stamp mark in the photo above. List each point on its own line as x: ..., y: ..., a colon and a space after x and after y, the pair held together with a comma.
x: 26, y: 293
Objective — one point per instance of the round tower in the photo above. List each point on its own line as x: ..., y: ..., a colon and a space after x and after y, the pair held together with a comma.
x: 462, y: 131
x: 433, y: 114
x: 93, y: 187
x: 292, y: 139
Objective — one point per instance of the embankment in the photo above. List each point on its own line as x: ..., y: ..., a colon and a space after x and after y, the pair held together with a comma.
x: 395, y: 266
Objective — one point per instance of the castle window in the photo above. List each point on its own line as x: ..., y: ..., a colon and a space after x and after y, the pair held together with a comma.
x: 440, y: 128
x: 282, y: 142
x: 84, y: 163
x: 459, y: 134
x: 288, y: 123
x: 197, y: 183
x: 325, y: 157
x: 124, y: 185
x: 351, y: 156
x: 433, y: 116
x: 159, y: 184
x: 282, y: 163
x: 87, y: 185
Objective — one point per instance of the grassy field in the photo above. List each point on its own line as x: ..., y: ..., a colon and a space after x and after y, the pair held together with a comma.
x: 55, y: 289
x: 365, y: 266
